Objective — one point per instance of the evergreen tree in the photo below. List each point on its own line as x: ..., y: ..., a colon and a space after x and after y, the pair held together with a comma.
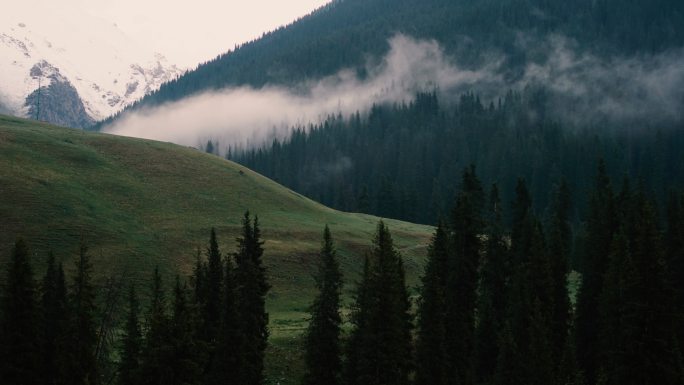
x: 431, y: 354
x: 674, y: 249
x: 322, y: 354
x: 208, y: 291
x: 467, y: 227
x: 360, y: 310
x: 569, y: 373
x: 507, y: 372
x: 198, y: 279
x: 600, y: 229
x: 226, y: 362
x: 54, y: 323
x: 82, y: 365
x: 638, y: 299
x: 539, y: 366
x: 157, y: 351
x: 616, y: 319
x: 19, y: 334
x: 492, y: 302
x: 560, y: 239
x: 252, y: 287
x: 521, y: 226
x: 213, y: 290
x: 184, y: 353
x: 131, y: 346
x: 381, y: 350
x: 530, y: 302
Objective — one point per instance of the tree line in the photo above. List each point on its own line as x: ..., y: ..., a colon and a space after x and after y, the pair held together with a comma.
x: 399, y: 161
x: 213, y: 330
x: 494, y: 305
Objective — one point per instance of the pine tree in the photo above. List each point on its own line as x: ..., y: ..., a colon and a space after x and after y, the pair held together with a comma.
x: 381, y: 350
x: 82, y: 365
x: 131, y: 347
x: 19, y: 339
x: 252, y: 287
x: 54, y: 323
x: 467, y: 228
x: 431, y: 353
x: 600, y: 229
x: 157, y: 350
x: 492, y: 302
x: 323, y: 362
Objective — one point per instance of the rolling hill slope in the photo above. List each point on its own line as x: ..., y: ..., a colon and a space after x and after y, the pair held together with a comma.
x: 140, y: 203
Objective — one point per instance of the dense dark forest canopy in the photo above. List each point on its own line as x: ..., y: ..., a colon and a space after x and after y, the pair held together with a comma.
x: 402, y: 161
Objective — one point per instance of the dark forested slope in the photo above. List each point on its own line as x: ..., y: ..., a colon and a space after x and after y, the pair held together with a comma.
x: 345, y: 34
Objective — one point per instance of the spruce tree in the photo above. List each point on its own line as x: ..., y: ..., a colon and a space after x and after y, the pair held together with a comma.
x: 213, y: 289
x: 19, y: 334
x: 54, y: 323
x: 131, y: 346
x: 431, y: 351
x: 560, y: 240
x: 82, y: 365
x: 184, y: 352
x: 207, y: 281
x: 616, y: 320
x: 381, y: 349
x: 600, y: 229
x: 197, y: 280
x: 674, y: 249
x: 492, y: 301
x: 530, y: 301
x: 322, y: 356
x: 654, y: 356
x: 360, y: 310
x: 467, y: 228
x: 157, y: 351
x: 227, y: 360
x: 252, y: 287
x: 507, y: 372
x: 539, y: 365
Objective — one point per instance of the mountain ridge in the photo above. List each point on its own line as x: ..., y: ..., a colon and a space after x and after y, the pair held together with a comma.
x: 103, y: 69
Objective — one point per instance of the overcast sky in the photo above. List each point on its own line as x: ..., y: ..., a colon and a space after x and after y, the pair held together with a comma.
x: 187, y: 32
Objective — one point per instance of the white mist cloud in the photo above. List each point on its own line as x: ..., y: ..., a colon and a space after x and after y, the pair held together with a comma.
x: 581, y: 88
x: 585, y: 88
x: 248, y: 116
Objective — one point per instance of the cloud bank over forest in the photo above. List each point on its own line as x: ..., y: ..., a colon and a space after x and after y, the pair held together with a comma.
x: 581, y: 88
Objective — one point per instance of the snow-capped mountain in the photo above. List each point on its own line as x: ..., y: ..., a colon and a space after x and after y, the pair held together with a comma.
x: 87, y: 68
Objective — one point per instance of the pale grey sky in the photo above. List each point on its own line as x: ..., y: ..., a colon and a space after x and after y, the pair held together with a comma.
x: 191, y: 31
x: 185, y: 31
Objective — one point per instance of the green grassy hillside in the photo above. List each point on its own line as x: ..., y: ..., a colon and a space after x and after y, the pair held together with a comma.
x: 141, y: 203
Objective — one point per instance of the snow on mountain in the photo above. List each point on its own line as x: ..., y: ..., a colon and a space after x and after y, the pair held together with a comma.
x: 44, y: 43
